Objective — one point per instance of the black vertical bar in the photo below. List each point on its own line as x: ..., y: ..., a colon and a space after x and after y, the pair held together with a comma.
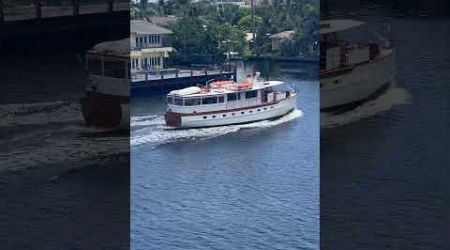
x: 110, y: 6
x: 76, y: 7
x: 37, y: 4
x: 2, y: 15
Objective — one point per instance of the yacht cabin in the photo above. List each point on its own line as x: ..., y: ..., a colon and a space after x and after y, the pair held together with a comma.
x: 213, y: 99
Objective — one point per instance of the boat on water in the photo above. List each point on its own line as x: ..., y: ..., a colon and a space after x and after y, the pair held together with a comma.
x: 227, y: 102
x: 107, y: 99
x: 351, y: 72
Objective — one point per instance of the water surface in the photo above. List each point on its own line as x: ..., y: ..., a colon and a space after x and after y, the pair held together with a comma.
x: 252, y: 186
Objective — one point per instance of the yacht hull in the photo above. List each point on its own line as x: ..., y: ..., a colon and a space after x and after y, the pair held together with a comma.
x: 358, y: 83
x: 109, y: 111
x: 233, y: 116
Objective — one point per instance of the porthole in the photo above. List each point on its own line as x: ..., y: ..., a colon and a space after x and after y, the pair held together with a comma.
x: 213, y: 116
x: 233, y: 114
x: 265, y: 108
x: 259, y: 110
x: 204, y: 117
x: 242, y: 113
x: 271, y: 107
x: 224, y: 115
x: 251, y: 111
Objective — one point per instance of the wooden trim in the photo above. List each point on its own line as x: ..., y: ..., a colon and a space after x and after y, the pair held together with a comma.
x: 346, y: 69
x: 107, y: 98
x: 106, y: 55
x: 335, y: 72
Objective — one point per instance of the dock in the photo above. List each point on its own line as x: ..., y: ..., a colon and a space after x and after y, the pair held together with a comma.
x: 169, y: 79
x: 14, y: 11
x: 43, y: 26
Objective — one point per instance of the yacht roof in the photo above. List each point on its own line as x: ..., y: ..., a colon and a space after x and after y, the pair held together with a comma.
x: 119, y: 48
x: 337, y: 25
x: 219, y: 91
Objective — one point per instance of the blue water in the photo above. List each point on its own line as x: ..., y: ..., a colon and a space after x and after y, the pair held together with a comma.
x: 384, y: 182
x: 251, y: 186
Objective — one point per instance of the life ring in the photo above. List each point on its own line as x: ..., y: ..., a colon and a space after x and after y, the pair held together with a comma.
x: 244, y: 85
x: 219, y: 84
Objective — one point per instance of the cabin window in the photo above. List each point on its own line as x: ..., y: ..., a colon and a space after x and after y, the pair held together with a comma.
x: 94, y: 66
x: 178, y: 101
x: 221, y: 99
x: 169, y: 100
x: 209, y: 100
x: 251, y: 94
x: 115, y: 69
x: 232, y: 96
x: 192, y: 102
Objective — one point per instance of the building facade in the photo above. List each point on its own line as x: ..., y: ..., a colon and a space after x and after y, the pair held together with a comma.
x: 279, y: 38
x: 149, y: 46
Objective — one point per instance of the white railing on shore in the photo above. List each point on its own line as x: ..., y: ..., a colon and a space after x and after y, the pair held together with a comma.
x: 170, y: 74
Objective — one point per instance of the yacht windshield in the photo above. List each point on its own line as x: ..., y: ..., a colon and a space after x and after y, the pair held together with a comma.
x: 94, y: 65
x: 115, y: 69
x: 192, y: 101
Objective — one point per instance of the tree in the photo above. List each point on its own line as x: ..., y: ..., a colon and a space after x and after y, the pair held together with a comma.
x: 193, y: 39
x: 245, y: 23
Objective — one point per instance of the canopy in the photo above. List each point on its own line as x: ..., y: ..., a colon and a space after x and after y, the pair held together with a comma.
x: 119, y: 48
x: 337, y: 25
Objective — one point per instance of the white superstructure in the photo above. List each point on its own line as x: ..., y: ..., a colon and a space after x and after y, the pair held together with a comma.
x: 227, y: 102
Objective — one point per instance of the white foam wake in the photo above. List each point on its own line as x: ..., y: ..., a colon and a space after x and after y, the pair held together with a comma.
x: 393, y: 96
x: 39, y: 113
x: 156, y: 133
x: 147, y: 120
x: 67, y: 145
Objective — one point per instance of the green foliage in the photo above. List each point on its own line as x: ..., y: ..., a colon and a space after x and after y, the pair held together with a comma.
x: 246, y: 23
x: 194, y: 37
x: 220, y: 28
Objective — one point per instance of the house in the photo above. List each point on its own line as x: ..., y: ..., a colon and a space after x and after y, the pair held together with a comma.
x: 149, y: 46
x: 163, y: 21
x: 280, y: 38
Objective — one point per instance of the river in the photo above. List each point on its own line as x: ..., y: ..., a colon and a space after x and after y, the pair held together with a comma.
x: 384, y: 166
x: 253, y: 186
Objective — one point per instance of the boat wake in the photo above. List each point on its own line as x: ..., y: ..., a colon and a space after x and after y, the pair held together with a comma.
x: 61, y: 137
x: 39, y: 113
x: 151, y: 130
x: 393, y: 96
